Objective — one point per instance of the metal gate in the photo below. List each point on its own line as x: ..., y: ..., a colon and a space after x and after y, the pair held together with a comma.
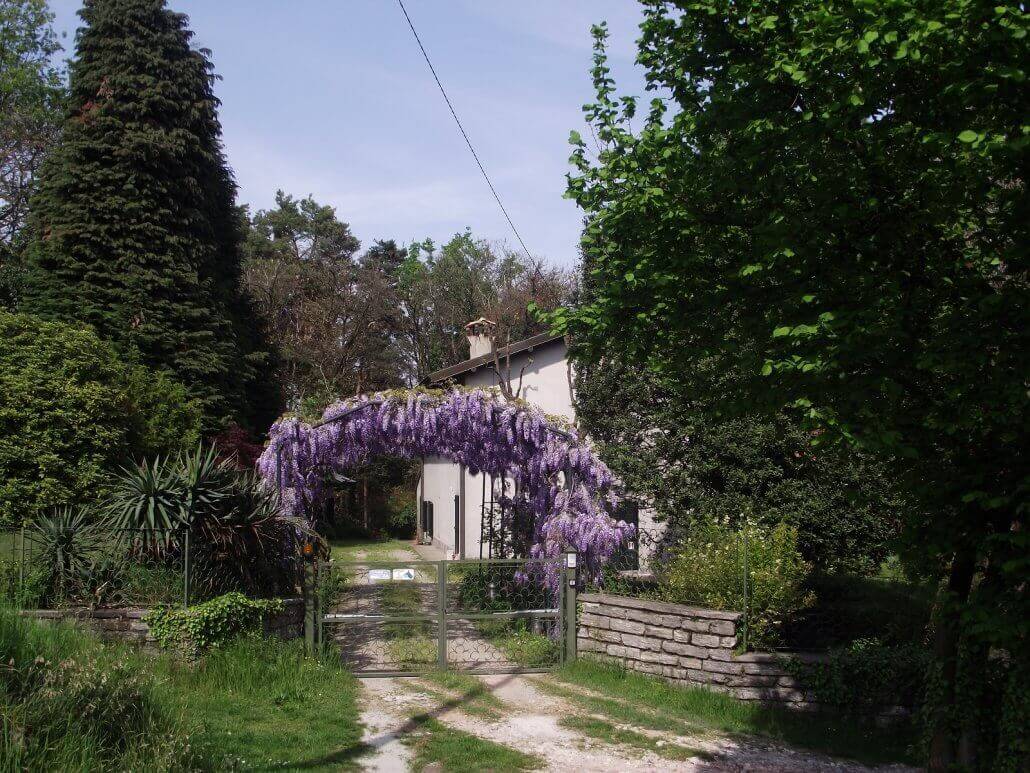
x: 402, y: 617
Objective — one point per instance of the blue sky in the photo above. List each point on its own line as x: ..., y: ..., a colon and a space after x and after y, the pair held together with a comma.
x: 332, y: 98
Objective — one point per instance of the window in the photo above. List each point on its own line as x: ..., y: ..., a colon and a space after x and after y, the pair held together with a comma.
x: 628, y: 557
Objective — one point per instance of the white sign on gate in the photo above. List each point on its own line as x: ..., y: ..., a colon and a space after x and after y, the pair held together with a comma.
x: 378, y: 575
x: 408, y: 575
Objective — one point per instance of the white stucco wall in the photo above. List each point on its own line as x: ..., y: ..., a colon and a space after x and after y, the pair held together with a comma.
x: 440, y: 484
x: 545, y: 380
x: 545, y: 383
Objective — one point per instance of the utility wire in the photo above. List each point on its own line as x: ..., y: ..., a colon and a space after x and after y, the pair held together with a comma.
x: 462, y: 130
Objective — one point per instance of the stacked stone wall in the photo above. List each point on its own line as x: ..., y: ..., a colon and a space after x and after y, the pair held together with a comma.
x: 126, y: 623
x: 687, y: 645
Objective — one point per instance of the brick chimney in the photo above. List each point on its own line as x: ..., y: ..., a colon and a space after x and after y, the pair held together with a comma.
x: 479, y: 332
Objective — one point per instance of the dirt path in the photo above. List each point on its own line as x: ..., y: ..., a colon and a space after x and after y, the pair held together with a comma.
x: 531, y: 721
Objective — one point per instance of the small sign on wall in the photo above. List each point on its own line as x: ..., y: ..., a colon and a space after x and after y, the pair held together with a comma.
x: 379, y: 575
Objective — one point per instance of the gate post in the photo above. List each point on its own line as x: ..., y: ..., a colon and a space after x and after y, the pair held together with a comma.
x: 441, y: 612
x: 569, y: 613
x: 309, y: 590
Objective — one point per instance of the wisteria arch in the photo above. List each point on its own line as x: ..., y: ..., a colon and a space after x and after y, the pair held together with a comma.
x: 563, y: 487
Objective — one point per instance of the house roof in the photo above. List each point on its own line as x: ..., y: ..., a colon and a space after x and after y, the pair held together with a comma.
x: 525, y: 345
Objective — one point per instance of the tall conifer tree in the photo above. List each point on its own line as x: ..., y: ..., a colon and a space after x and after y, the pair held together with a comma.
x: 138, y: 234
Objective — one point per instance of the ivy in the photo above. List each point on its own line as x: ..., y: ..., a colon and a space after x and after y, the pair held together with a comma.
x: 210, y: 625
x: 865, y: 676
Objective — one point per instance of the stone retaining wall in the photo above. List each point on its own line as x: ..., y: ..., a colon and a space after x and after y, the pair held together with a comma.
x: 683, y: 644
x: 126, y: 623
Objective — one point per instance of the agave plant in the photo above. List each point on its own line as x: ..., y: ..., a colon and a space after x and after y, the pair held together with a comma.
x: 151, y: 503
x: 239, y: 537
x: 66, y: 544
x: 145, y: 498
x: 204, y: 483
x: 247, y: 543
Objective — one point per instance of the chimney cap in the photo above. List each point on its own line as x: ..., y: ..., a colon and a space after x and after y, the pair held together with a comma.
x: 481, y: 322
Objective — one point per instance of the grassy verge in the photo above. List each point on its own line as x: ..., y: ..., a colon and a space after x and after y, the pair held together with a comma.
x: 68, y: 702
x: 602, y: 730
x: 456, y: 751
x: 638, y: 699
x: 261, y: 703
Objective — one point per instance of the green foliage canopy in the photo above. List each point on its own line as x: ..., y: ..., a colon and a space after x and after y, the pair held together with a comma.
x: 829, y: 199
x: 71, y: 410
x: 695, y: 466
x: 30, y: 98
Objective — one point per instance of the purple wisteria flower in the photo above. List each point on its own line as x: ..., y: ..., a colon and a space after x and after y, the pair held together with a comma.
x: 562, y: 486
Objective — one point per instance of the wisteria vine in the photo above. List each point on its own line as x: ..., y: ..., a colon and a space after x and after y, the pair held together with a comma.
x: 479, y: 429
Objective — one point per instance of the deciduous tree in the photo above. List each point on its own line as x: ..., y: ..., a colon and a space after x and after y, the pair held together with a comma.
x: 30, y: 93
x: 829, y: 199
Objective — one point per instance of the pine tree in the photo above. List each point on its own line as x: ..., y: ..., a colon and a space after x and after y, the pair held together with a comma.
x: 138, y: 233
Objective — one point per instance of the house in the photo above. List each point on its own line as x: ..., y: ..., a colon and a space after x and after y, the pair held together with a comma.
x: 458, y: 510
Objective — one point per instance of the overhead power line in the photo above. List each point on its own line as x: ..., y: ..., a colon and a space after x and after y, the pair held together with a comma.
x: 461, y: 128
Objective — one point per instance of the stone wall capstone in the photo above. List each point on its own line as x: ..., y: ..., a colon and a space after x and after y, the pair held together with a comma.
x: 686, y: 645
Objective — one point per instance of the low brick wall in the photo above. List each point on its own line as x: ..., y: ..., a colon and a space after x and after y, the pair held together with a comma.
x: 687, y: 645
x: 126, y: 623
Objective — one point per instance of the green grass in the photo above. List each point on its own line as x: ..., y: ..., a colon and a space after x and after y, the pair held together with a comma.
x: 411, y: 651
x: 620, y: 711
x: 522, y: 646
x: 371, y: 550
x: 602, y: 730
x: 456, y: 751
x: 263, y: 705
x: 408, y: 644
x: 648, y: 702
x: 69, y: 702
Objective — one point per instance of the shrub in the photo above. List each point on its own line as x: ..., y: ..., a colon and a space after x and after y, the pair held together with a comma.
x: 210, y: 625
x: 66, y: 545
x: 63, y: 416
x: 23, y: 587
x: 487, y: 589
x: 707, y: 568
x: 704, y: 463
x: 70, y: 411
x: 850, y: 607
x: 866, y: 675
x: 239, y: 539
x: 165, y: 418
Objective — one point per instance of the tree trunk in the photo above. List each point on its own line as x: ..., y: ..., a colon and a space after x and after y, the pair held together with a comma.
x: 943, y: 742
